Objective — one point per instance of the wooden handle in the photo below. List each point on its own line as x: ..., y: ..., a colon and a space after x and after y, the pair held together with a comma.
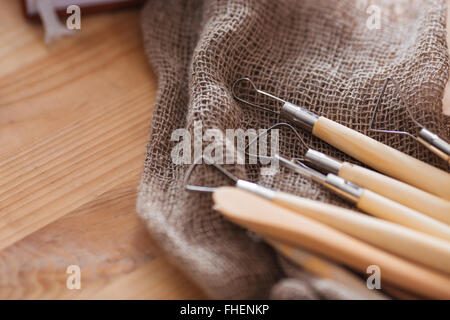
x: 325, y: 269
x: 387, y: 209
x: 398, y: 191
x: 384, y: 158
x: 405, y: 242
x: 266, y: 218
x: 435, y: 150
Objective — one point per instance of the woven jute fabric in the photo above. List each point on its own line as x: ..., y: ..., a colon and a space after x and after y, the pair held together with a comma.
x: 319, y: 54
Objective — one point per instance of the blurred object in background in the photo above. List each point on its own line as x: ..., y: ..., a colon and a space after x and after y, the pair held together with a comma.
x: 30, y: 7
x: 48, y: 11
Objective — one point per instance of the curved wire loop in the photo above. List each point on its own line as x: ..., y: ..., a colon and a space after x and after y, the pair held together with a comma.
x: 403, y: 99
x: 233, y: 91
x: 191, y: 187
x: 279, y: 124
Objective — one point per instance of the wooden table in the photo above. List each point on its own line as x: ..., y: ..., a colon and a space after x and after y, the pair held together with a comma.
x: 74, y: 123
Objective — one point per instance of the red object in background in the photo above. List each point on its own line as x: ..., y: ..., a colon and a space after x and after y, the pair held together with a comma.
x: 87, y: 6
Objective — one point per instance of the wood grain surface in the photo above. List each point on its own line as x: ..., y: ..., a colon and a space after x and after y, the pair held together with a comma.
x: 74, y: 123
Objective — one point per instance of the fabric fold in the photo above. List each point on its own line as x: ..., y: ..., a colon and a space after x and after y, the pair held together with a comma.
x: 319, y: 54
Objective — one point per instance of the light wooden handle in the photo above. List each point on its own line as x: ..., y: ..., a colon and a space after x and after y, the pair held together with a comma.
x: 325, y: 269
x: 266, y: 218
x: 384, y: 158
x: 405, y: 242
x: 387, y: 209
x: 398, y: 191
x: 444, y: 156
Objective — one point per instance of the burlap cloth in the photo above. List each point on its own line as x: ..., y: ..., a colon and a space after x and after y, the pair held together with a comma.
x: 319, y: 54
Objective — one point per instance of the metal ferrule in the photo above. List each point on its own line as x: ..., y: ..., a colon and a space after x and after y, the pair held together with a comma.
x: 323, y: 161
x: 299, y: 116
x: 314, y: 175
x: 344, y: 187
x: 341, y: 186
x: 256, y: 189
x: 434, y: 143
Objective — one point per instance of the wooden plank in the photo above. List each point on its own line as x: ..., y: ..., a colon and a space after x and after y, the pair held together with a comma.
x: 54, y: 86
x: 69, y: 173
x: 74, y: 120
x: 109, y: 243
